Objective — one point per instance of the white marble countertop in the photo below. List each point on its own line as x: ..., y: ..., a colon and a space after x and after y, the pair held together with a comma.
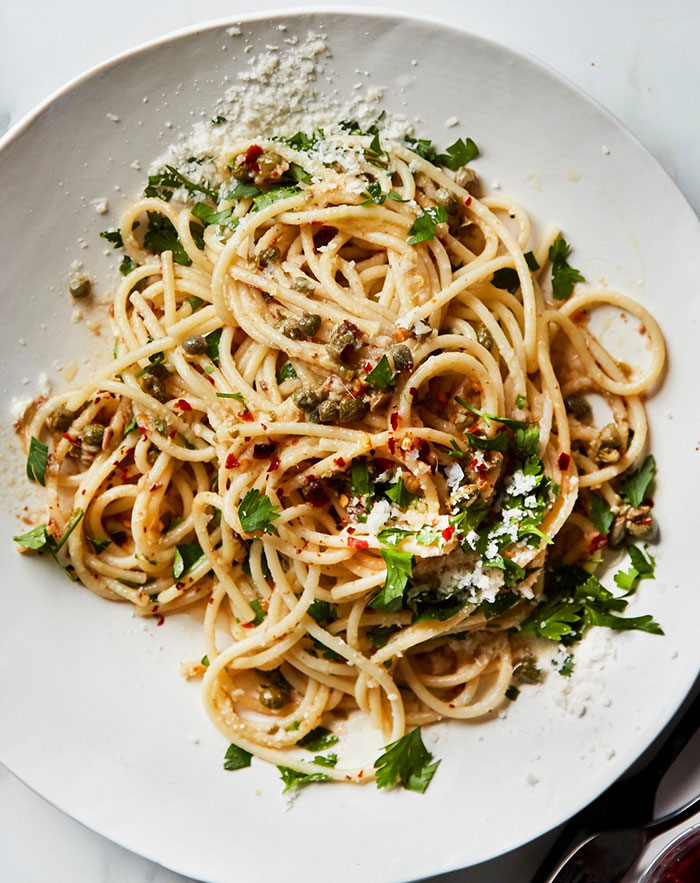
x: 636, y: 57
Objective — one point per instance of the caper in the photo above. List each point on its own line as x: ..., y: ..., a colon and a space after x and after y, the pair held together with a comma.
x: 644, y: 529
x: 618, y: 533
x: 268, y: 256
x: 80, y: 287
x: 351, y: 409
x: 345, y: 339
x: 242, y: 172
x: 155, y: 387
x: 312, y: 416
x: 465, y: 177
x: 195, y: 345
x: 158, y: 370
x: 526, y: 672
x: 92, y: 435
x: 447, y: 200
x: 579, y: 407
x: 309, y: 324
x: 301, y: 283
x: 306, y: 399
x: 328, y: 411
x: 346, y: 373
x: 401, y: 356
x: 273, y: 697
x: 269, y: 164
x: 484, y: 336
x: 152, y: 454
x: 60, y: 419
x: 607, y: 449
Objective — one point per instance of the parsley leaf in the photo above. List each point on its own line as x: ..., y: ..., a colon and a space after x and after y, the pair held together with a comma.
x: 36, y: 539
x: 374, y: 194
x: 399, y: 569
x: 318, y: 739
x: 600, y: 514
x: 113, y: 236
x: 398, y: 494
x: 37, y: 459
x: 300, y: 175
x: 499, y: 442
x: 243, y: 190
x: 423, y: 147
x: 458, y: 154
x: 213, y: 339
x: 258, y: 610
x: 99, y: 544
x: 127, y: 265
x: 208, y: 215
x: 425, y: 225
x: 326, y: 760
x: 392, y: 536
x: 322, y: 611
x: 360, y: 480
x: 256, y: 512
x: 634, y: 487
x: 375, y: 154
x: 406, y: 761
x: 506, y: 421
x: 162, y: 236
x: 236, y: 758
x: 563, y: 275
x: 295, y: 779
x: 527, y: 441
x: 187, y: 555
x: 531, y: 261
x: 642, y: 568
x: 455, y: 451
x: 512, y: 693
x: 286, y: 371
x: 162, y: 185
x: 380, y: 634
x: 266, y: 199
x: 382, y: 374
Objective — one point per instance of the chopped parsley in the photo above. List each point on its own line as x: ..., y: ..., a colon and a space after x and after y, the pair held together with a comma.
x: 407, y: 762
x: 487, y: 418
x: 258, y: 610
x: 187, y: 556
x: 322, y: 611
x: 242, y: 190
x: 359, y: 480
x: 399, y: 568
x: 499, y: 442
x: 512, y: 693
x: 318, y: 739
x: 600, y: 514
x: 236, y: 758
x: 564, y: 276
x: 643, y: 566
x: 382, y: 375
x: 208, y: 215
x: 375, y: 154
x: 295, y: 779
x: 374, y: 194
x: 127, y: 265
x: 265, y: 199
x: 425, y: 225
x: 256, y: 512
x: 531, y: 261
x: 633, y: 488
x: 113, y: 236
x: 506, y: 278
x: 37, y: 459
x: 213, y: 340
x: 398, y: 494
x: 392, y: 536
x: 458, y: 154
x: 163, y: 184
x: 285, y: 372
x: 99, y: 544
x: 162, y: 236
x: 40, y: 540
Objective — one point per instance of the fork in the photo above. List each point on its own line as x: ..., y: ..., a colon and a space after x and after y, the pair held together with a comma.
x: 607, y: 856
x: 626, y: 809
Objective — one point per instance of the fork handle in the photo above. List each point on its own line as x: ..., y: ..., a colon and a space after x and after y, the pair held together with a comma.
x: 672, y: 819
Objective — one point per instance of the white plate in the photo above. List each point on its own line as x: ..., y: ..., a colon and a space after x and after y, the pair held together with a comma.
x: 94, y: 716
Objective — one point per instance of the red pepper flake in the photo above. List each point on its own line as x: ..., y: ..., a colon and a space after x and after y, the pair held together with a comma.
x: 142, y: 429
x: 394, y: 420
x: 339, y: 462
x: 274, y: 464
x: 360, y: 774
x: 183, y: 405
x: 264, y: 450
x: 252, y: 153
x: 314, y: 493
x: 412, y: 391
x: 563, y: 461
x: 479, y: 467
x: 368, y: 367
x: 172, y: 433
x: 598, y: 542
x: 356, y: 543
x: 232, y: 462
x: 247, y: 625
x: 161, y: 620
x: 73, y: 441
x: 424, y: 450
x: 246, y: 415
x: 351, y: 530
x: 391, y: 444
x: 468, y: 200
x: 210, y: 601
x: 448, y: 533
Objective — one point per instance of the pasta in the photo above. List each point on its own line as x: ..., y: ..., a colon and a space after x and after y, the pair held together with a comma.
x: 346, y: 417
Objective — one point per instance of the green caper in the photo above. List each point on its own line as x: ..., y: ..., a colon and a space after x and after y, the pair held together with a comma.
x: 402, y: 357
x: 152, y: 454
x: 328, y: 411
x: 268, y: 256
x: 273, y: 697
x: 447, y: 200
x: 526, y: 672
x: 465, y: 177
x: 312, y: 416
x: 618, y: 533
x: 241, y: 172
x: 484, y: 336
x: 345, y: 339
x: 346, y: 373
x: 579, y: 407
x: 80, y: 287
x: 351, y: 409
x: 92, y: 435
x: 158, y: 370
x: 195, y: 345
x: 60, y: 419
x: 301, y: 283
x: 155, y: 387
x: 607, y: 447
x: 309, y: 324
x: 269, y: 164
x: 306, y: 399
x: 645, y: 528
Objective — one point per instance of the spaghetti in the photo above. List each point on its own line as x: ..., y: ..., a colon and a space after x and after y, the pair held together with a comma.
x: 347, y: 416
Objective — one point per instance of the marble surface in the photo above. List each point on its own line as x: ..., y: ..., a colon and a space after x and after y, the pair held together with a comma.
x: 636, y: 57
